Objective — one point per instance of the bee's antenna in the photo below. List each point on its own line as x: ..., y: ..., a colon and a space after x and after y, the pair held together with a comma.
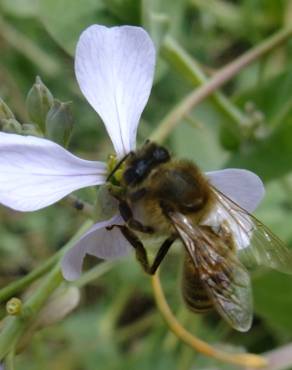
x: 118, y: 165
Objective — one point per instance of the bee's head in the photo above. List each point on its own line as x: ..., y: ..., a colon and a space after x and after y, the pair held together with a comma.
x: 143, y: 161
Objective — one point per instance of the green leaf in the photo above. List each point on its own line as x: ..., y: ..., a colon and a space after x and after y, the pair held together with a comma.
x: 271, y: 158
x: 198, y: 139
x: 65, y: 19
x: 273, y: 299
x: 275, y: 210
x: 273, y: 290
x: 126, y: 11
x: 20, y: 8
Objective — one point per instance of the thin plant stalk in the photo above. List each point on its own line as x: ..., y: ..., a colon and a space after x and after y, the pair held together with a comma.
x: 243, y: 359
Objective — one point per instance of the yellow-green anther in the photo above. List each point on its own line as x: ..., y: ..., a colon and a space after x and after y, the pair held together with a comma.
x: 14, y: 306
x: 11, y: 126
x: 59, y: 122
x: 118, y: 175
x: 119, y: 172
x: 111, y: 162
x: 38, y: 102
x: 5, y: 112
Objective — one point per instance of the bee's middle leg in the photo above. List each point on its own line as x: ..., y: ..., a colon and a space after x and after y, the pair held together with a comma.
x: 141, y: 253
x: 162, y: 251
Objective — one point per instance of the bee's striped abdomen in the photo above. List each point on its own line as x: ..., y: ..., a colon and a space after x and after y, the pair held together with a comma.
x: 194, y: 293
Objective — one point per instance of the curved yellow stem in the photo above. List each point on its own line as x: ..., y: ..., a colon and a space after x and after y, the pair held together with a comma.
x: 243, y: 359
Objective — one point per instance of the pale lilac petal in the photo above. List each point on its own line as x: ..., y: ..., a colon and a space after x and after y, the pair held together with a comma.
x: 98, y: 242
x: 239, y: 224
x: 35, y: 173
x: 114, y: 68
x: 242, y: 186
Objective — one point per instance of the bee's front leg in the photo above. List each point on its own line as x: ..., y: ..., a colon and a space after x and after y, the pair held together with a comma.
x: 127, y: 214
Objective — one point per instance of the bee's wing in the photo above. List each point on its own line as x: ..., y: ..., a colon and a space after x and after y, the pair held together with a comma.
x: 225, y: 279
x: 257, y: 245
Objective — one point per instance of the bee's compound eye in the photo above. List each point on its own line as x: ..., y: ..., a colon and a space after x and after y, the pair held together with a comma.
x: 130, y: 176
x: 161, y: 154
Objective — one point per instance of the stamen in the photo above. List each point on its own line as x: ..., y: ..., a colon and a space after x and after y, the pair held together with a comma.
x: 114, y: 167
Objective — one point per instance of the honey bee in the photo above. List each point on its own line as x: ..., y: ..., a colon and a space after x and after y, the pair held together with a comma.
x: 161, y: 195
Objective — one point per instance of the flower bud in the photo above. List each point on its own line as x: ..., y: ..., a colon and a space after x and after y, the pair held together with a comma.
x: 59, y: 122
x: 11, y: 126
x: 30, y: 129
x: 5, y: 112
x: 14, y: 306
x: 63, y: 301
x: 38, y: 102
x: 60, y: 304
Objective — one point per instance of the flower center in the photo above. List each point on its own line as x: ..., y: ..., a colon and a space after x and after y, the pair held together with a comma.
x: 115, y: 169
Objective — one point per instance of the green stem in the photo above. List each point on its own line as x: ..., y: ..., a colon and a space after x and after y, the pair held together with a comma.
x: 112, y: 314
x: 35, y: 302
x: 186, y: 358
x: 17, y: 286
x: 220, y: 78
x: 180, y: 60
x: 94, y: 274
x: 80, y: 205
x: 9, y: 360
x: 15, y: 326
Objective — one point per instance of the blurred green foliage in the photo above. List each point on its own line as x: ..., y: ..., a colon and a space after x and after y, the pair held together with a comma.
x: 119, y: 328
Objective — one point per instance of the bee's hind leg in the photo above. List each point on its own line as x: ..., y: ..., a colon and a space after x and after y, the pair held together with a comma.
x: 140, y: 250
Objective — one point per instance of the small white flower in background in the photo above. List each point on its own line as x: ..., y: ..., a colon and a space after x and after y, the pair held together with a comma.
x: 114, y: 68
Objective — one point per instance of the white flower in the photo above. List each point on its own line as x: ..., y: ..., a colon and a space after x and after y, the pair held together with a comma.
x: 114, y: 68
